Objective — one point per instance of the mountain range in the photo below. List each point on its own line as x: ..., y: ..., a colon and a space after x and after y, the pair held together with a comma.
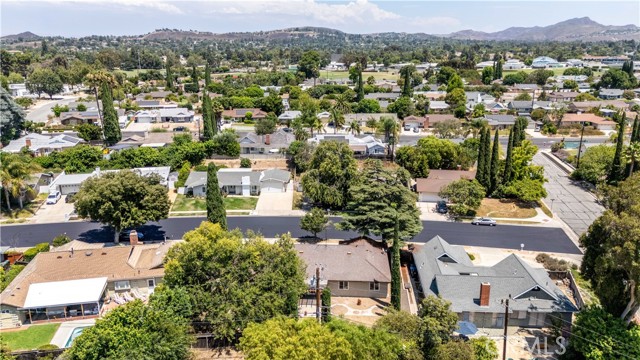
x: 577, y: 29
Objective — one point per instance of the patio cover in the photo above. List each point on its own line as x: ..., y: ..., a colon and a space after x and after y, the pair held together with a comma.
x: 64, y: 293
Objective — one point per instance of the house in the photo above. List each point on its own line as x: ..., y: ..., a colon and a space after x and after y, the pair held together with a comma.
x: 147, y: 116
x: 176, y: 115
x: 544, y: 62
x: 148, y: 104
x: 495, y: 107
x: 532, y: 88
x: 438, y: 106
x: 476, y: 292
x: 527, y: 106
x: 363, y: 117
x: 239, y: 181
x: 18, y: 90
x: 72, y: 118
x: 88, y: 105
x: 610, y: 94
x: 239, y: 115
x: 583, y: 106
x: 563, y: 96
x: 252, y: 143
x: 382, y: 96
x: 433, y: 119
x: 484, y: 64
x: 414, y: 122
x: 596, y: 121
x: 513, y: 64
x: 70, y: 183
x: 75, y: 283
x: 356, y: 268
x: 428, y: 188
x: 364, y: 146
x: 500, y: 121
x: 42, y: 144
x: 154, y: 95
x: 324, y: 116
x: 289, y: 116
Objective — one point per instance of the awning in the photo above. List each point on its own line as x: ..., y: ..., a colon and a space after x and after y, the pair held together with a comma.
x: 65, y: 293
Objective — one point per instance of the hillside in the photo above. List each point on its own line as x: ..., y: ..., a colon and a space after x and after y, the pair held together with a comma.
x: 308, y: 31
x: 23, y: 36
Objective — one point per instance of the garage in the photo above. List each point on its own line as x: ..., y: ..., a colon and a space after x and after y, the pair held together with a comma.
x: 428, y: 197
x: 274, y: 180
x: 271, y: 186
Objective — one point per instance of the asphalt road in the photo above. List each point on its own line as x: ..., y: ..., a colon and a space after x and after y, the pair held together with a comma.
x: 542, y: 143
x: 502, y: 236
x: 41, y: 113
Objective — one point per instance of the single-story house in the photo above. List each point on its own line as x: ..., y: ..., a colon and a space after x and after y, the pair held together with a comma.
x: 75, y: 283
x: 358, y: 268
x: 476, y: 292
x: 42, y: 144
x: 428, y: 188
x: 147, y: 116
x: 364, y: 146
x: 382, y: 96
x: 240, y: 114
x: 153, y: 95
x: 239, y: 181
x: 253, y: 143
x: 433, y: 119
x: 70, y: 183
x: 500, y: 121
x: 438, y: 106
x: 596, y: 121
x: 495, y: 107
x: 18, y: 90
x: 610, y: 94
x: 363, y: 117
x: 527, y: 106
x: 89, y: 105
x: 176, y: 115
x: 583, y: 106
x: 148, y: 104
x: 289, y: 115
x: 563, y: 96
x: 413, y: 122
x: 72, y: 118
x: 324, y: 116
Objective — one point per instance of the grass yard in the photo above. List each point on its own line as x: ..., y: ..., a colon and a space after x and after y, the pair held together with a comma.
x: 30, y: 338
x: 505, y: 209
x: 187, y: 203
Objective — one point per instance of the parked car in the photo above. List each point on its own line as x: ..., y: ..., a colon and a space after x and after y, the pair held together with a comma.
x: 124, y: 234
x: 53, y: 197
x: 441, y: 207
x: 407, y: 128
x: 274, y: 151
x: 484, y: 221
x: 180, y: 128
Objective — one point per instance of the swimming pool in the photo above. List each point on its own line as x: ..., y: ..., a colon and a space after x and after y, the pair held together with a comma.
x: 74, y: 334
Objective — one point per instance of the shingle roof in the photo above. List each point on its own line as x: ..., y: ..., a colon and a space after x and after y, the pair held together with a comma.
x: 438, y: 179
x: 275, y: 174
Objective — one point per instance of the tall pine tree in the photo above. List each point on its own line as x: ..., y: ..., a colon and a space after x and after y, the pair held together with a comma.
x: 207, y: 117
x: 481, y: 158
x: 617, y: 169
x: 110, y: 124
x: 169, y: 79
x: 508, y: 165
x: 486, y: 148
x: 495, y: 156
x: 194, y: 75
x: 207, y: 76
x: 396, y: 282
x: 216, y: 212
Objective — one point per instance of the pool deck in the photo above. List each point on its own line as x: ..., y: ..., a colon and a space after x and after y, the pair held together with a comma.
x: 64, y: 331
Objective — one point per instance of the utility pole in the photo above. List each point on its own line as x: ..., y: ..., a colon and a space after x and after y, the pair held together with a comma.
x: 318, y: 293
x: 580, y: 147
x: 506, y: 325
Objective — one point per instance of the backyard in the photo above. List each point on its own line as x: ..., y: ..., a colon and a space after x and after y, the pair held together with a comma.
x: 30, y: 338
x: 190, y: 203
x: 505, y: 208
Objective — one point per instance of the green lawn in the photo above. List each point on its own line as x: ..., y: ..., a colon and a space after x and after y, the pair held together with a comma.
x: 185, y: 203
x: 31, y: 338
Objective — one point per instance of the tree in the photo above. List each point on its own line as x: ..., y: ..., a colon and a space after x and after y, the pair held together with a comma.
x: 77, y: 159
x: 32, y: 252
x: 25, y: 102
x: 617, y: 168
x: 487, y: 75
x: 485, y: 169
x: 432, y: 153
x: 403, y: 106
x: 484, y: 348
x: 355, y: 74
x: 523, y: 97
x: 15, y: 172
x: 301, y: 154
x: 635, y: 130
x: 309, y: 64
x: 508, y: 163
x: 216, y: 212
x: 447, y: 129
x: 616, y: 79
x: 89, y: 132
x: 367, y: 106
x: 337, y: 118
x: 405, y: 73
x: 332, y: 171
x: 61, y: 240
x: 456, y: 97
x: 585, y: 97
x: 408, y: 327
x: 390, y: 128
x: 631, y: 156
x: 169, y: 76
x: 224, y: 143
x: 378, y: 199
x: 494, y: 177
x: 134, y: 331
x: 595, y: 164
x: 326, y: 304
x: 454, y: 350
x: 122, y: 200
x: 110, y: 124
x: 354, y: 127
x: 44, y: 80
x: 497, y: 61
x: 207, y: 75
x: 465, y: 195
x: 266, y: 125
x: 232, y: 280
x: 208, y: 131
x: 314, y: 221
x: 439, y: 322
x: 538, y: 114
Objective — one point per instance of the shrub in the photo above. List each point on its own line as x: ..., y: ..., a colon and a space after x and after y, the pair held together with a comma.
x: 553, y: 264
x: 61, y: 240
x: 471, y: 256
x: 245, y: 163
x: 31, y: 253
x: 557, y: 146
x: 48, y: 347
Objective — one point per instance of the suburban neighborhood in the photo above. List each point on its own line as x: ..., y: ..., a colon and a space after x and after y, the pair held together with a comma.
x: 309, y: 193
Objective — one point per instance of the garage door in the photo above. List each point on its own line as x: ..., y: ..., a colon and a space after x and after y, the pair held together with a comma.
x: 429, y: 197
x: 271, y: 186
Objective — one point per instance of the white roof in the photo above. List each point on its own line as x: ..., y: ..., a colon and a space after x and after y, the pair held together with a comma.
x: 62, y: 293
x: 39, y: 141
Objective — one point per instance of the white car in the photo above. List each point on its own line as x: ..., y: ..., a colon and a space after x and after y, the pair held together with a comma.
x: 274, y: 151
x: 53, y: 197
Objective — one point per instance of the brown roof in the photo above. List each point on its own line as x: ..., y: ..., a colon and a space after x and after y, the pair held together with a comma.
x: 601, y: 104
x: 435, y: 118
x: 115, y: 263
x: 415, y: 118
x: 438, y: 179
x: 358, y: 260
x: 586, y: 117
x: 238, y: 113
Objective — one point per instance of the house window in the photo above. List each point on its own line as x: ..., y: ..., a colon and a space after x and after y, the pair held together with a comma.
x: 122, y: 285
x: 151, y: 283
x: 344, y: 285
x: 374, y: 286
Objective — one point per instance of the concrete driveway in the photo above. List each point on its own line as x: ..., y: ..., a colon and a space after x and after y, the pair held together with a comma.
x: 54, y: 213
x: 279, y: 203
x: 428, y: 212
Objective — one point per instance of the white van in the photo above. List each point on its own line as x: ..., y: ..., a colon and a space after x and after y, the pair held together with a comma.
x: 53, y: 197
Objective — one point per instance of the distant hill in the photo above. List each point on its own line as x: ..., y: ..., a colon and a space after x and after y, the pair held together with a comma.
x: 23, y: 36
x: 578, y: 29
x: 307, y: 31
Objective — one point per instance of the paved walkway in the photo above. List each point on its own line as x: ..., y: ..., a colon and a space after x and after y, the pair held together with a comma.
x: 574, y: 205
x: 61, y: 336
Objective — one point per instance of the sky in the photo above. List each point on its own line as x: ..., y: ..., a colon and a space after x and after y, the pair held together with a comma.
x: 78, y: 18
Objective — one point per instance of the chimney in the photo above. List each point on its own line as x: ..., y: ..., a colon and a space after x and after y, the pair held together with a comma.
x: 485, y: 292
x: 267, y: 139
x: 133, y: 238
x: 28, y: 143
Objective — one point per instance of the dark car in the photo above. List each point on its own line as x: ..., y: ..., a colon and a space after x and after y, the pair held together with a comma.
x: 124, y: 235
x: 180, y: 128
x: 287, y: 129
x: 441, y: 207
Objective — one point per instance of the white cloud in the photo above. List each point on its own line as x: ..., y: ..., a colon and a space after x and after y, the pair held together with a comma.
x: 163, y: 6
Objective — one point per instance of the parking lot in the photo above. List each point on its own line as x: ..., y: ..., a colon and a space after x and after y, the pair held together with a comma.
x: 58, y: 212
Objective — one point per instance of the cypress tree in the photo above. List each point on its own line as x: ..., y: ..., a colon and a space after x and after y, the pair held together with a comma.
x: 406, y: 89
x: 486, y: 176
x: 207, y: 116
x: 215, y: 207
x: 396, y: 282
x: 110, y: 125
x: 326, y: 304
x: 169, y: 77
x: 194, y: 75
x: 481, y: 158
x: 635, y: 130
x: 506, y: 177
x: 207, y: 75
x: 616, y: 173
x: 495, y: 156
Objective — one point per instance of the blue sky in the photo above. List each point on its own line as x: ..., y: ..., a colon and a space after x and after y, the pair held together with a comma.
x: 133, y: 17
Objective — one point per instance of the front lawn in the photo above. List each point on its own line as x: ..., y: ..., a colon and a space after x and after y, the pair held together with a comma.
x: 505, y: 208
x: 31, y: 338
x: 188, y: 203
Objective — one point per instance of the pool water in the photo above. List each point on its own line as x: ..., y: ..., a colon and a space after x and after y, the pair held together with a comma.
x: 74, y: 334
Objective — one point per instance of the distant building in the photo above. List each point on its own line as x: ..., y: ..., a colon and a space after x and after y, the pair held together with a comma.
x: 544, y: 62
x: 365, y: 146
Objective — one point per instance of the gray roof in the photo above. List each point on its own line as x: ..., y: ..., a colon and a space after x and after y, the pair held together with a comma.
x: 526, y: 86
x: 446, y: 270
x: 196, y: 178
x: 502, y: 119
x: 611, y: 92
x: 277, y: 140
x: 378, y: 95
x: 276, y: 174
x: 171, y: 112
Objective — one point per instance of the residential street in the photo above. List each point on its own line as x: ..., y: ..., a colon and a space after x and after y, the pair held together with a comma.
x: 574, y: 205
x: 503, y: 236
x: 40, y: 113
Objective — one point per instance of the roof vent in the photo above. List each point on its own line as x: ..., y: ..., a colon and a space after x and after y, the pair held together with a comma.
x: 58, y: 257
x: 88, y: 253
x: 348, y: 252
x: 104, y: 253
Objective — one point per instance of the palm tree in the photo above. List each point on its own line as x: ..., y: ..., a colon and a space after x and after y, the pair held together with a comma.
x: 354, y: 127
x: 632, y: 155
x: 337, y: 118
x: 319, y: 126
x: 15, y: 170
x: 216, y: 109
x: 474, y: 127
x: 389, y: 128
x: 95, y: 79
x: 342, y: 103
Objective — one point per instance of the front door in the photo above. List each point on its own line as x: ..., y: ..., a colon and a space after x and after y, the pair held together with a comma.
x: 151, y: 284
